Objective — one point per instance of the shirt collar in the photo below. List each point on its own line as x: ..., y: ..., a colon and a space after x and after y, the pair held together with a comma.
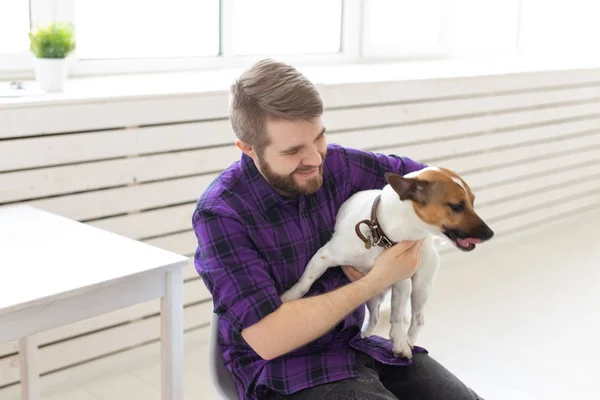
x: 266, y: 196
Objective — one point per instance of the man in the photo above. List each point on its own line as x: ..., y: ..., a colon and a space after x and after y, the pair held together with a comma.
x: 259, y: 223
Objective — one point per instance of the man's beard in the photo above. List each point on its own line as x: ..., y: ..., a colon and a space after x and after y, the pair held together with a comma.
x: 287, y: 185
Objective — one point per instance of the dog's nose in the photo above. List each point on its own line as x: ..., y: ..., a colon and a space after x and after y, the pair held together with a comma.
x: 486, y: 232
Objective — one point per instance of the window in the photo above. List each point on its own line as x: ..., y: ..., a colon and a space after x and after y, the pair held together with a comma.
x: 120, y: 29
x: 286, y: 27
x: 559, y: 26
x: 402, y: 26
x: 14, y: 26
x: 479, y: 27
x: 136, y: 36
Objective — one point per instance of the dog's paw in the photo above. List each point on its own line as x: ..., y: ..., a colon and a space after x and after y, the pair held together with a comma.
x: 400, y: 343
x: 402, y: 348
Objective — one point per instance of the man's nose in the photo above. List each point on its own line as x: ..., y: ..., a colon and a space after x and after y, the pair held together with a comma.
x: 313, y: 158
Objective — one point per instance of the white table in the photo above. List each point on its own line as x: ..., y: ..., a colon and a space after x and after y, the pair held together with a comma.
x: 55, y: 271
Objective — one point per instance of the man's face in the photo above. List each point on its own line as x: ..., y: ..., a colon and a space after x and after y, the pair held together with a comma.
x: 292, y: 163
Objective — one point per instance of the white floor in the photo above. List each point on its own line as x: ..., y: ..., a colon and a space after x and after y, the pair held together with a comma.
x: 515, y: 321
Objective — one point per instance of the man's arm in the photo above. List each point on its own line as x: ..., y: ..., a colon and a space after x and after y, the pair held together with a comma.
x: 301, y: 321
x: 236, y: 275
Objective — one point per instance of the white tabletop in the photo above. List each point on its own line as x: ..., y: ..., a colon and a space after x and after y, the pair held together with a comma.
x: 45, y: 256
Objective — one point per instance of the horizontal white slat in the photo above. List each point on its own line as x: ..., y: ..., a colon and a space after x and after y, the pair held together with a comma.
x: 381, y: 115
x: 387, y: 90
x: 90, y: 146
x: 92, y: 115
x: 101, y: 343
x: 516, y: 187
x: 524, y: 153
x: 194, y: 291
x: 150, y: 223
x: 520, y: 204
x: 97, y: 204
x: 450, y: 147
x: 479, y: 180
x: 384, y: 137
x: 15, y: 186
x: 184, y: 243
x: 573, y: 205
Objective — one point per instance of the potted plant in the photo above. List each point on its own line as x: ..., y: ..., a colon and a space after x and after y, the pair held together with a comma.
x: 51, y: 44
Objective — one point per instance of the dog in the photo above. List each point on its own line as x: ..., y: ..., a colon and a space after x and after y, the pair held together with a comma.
x: 426, y: 203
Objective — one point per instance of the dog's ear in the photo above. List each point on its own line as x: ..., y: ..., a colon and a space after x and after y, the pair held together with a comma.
x: 409, y: 188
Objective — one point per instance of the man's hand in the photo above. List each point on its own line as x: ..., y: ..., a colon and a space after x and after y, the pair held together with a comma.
x: 407, y: 252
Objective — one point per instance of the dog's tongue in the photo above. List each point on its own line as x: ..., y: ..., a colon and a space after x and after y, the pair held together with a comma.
x: 467, y: 241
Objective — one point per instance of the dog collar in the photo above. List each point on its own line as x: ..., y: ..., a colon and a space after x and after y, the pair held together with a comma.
x: 375, y: 235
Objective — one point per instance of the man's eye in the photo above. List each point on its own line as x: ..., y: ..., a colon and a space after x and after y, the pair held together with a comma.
x: 457, y: 207
x: 291, y: 153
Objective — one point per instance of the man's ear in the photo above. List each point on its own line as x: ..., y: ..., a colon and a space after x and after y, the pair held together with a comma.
x: 409, y: 188
x: 246, y: 148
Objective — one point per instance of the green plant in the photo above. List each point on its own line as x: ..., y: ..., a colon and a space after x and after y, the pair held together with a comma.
x: 55, y: 40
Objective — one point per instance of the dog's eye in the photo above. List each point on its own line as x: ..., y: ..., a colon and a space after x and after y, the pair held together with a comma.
x: 457, y: 207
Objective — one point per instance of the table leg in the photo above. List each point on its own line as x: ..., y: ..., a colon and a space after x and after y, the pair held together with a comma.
x: 28, y: 364
x: 172, y: 337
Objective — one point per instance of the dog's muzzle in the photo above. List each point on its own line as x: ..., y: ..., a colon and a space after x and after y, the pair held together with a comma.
x: 467, y: 241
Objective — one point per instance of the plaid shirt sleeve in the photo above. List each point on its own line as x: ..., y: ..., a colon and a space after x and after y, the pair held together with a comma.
x: 367, y: 169
x: 233, y: 270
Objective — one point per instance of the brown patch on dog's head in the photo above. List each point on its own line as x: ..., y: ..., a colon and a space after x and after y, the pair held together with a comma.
x: 443, y: 200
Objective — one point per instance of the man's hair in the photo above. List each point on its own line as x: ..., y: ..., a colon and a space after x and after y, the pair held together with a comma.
x: 270, y: 90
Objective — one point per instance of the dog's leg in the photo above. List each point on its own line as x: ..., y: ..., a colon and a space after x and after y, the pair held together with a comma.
x: 373, y: 305
x: 400, y: 296
x: 422, y: 283
x: 316, y: 267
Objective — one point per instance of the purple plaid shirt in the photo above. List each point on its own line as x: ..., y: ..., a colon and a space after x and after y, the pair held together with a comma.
x: 254, y: 244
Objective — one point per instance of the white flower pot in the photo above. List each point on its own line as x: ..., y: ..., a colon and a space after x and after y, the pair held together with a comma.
x: 51, y: 73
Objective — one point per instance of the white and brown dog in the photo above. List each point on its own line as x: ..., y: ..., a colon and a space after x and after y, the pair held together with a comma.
x: 432, y: 201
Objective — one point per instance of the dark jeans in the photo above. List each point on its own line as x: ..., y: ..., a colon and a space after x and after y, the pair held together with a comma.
x: 425, y: 379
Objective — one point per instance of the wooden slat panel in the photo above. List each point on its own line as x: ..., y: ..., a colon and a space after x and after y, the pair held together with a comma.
x: 450, y: 147
x: 102, y: 343
x: 17, y: 186
x: 388, y: 87
x: 381, y: 115
x: 150, y: 223
x: 518, y: 187
x: 96, y: 115
x: 181, y: 243
x: 572, y: 205
x: 97, y: 204
x: 518, y: 204
x: 194, y: 292
x: 486, y: 160
x: 512, y: 173
x: 398, y: 135
x: 64, y: 149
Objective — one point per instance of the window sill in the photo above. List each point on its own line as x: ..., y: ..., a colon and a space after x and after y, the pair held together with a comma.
x: 131, y: 87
